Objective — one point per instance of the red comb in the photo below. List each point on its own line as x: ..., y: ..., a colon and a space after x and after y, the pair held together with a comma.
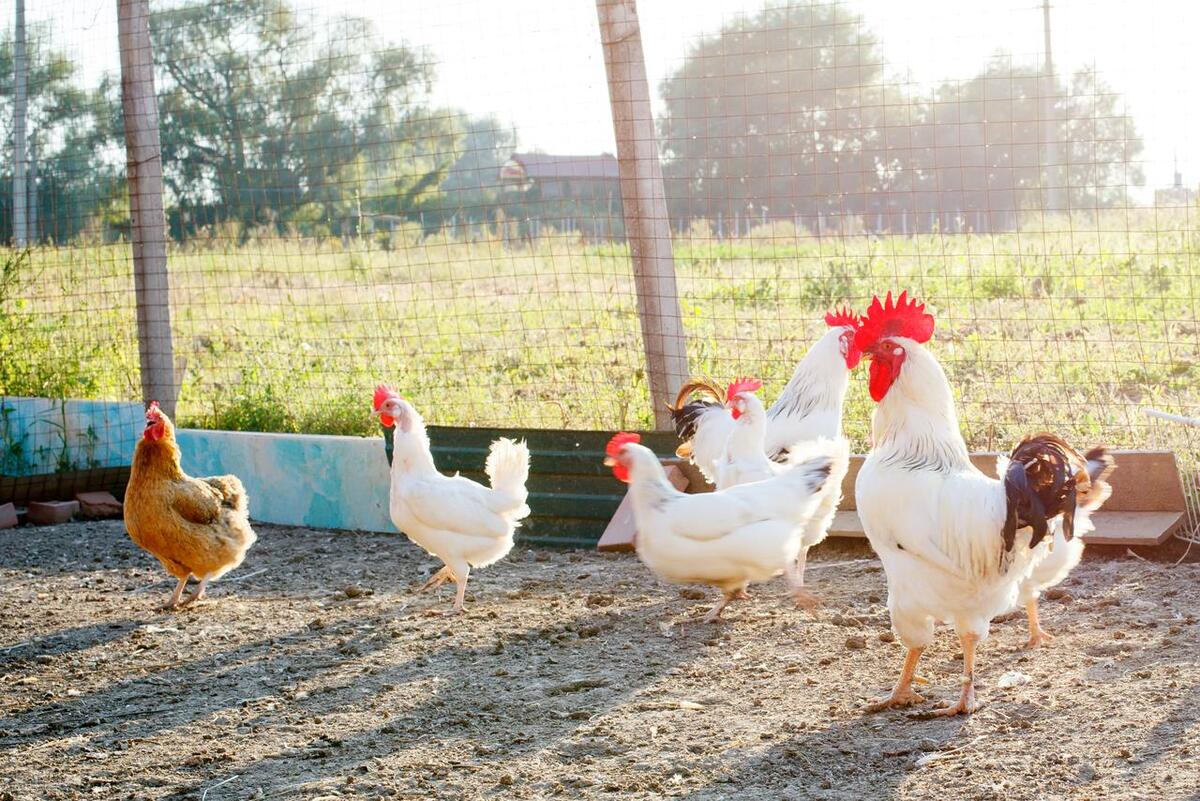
x: 740, y: 385
x: 899, y: 318
x: 619, y: 441
x: 842, y: 316
x: 382, y: 393
x: 153, y: 410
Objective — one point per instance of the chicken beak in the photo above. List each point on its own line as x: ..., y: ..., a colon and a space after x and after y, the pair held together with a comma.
x: 684, y: 451
x: 609, y: 461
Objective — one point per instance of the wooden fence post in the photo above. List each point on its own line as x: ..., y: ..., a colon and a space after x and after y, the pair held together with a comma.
x: 647, y: 224
x: 144, y: 175
x: 20, y: 190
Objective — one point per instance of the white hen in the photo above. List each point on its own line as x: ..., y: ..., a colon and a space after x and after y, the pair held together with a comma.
x: 956, y: 545
x: 745, y: 461
x: 461, y: 522
x: 728, y: 538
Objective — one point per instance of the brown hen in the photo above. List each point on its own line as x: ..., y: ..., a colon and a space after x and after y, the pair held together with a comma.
x: 197, y: 527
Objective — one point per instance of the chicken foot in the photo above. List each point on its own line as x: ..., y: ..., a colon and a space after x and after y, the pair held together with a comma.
x: 437, y: 579
x: 966, y: 700
x: 1037, y: 634
x: 460, y: 594
x: 175, y: 596
x: 197, y: 594
x: 794, y: 575
x: 902, y: 694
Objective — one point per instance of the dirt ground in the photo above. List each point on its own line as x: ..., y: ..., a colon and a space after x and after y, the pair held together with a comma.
x: 313, y: 672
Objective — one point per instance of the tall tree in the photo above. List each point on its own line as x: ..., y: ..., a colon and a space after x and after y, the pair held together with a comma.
x: 780, y: 109
x: 262, y: 115
x: 69, y: 129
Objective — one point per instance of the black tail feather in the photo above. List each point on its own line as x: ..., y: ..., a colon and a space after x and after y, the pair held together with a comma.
x: 1045, y: 480
x: 685, y: 414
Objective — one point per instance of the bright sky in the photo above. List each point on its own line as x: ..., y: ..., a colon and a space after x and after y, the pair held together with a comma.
x: 538, y: 65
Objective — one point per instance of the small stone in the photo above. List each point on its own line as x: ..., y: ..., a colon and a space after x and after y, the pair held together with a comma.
x: 8, y: 515
x: 691, y: 594
x: 98, y: 505
x: 887, y: 636
x: 505, y: 780
x: 352, y: 591
x: 1054, y: 593
x: 50, y: 513
x: 1013, y: 678
x: 856, y: 642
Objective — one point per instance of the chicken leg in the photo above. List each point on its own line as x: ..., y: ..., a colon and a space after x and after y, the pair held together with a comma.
x: 794, y: 575
x: 197, y: 594
x: 902, y: 694
x: 966, y: 700
x: 1037, y: 634
x: 175, y: 596
x: 460, y: 595
x: 436, y: 580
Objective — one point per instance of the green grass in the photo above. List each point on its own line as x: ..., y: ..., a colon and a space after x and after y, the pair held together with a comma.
x: 1071, y: 330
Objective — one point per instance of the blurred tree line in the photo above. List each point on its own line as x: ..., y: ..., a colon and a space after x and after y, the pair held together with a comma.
x: 789, y: 114
x: 267, y: 120
x: 273, y: 120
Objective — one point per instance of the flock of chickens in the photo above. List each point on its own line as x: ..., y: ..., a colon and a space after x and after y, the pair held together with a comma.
x: 957, y: 545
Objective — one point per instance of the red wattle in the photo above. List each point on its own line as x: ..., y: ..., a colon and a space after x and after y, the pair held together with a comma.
x: 621, y: 472
x: 387, y: 420
x: 881, y: 378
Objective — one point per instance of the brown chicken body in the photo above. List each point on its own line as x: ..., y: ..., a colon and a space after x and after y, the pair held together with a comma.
x: 197, y: 527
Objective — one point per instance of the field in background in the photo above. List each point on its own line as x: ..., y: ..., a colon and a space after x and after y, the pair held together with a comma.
x: 1073, y: 329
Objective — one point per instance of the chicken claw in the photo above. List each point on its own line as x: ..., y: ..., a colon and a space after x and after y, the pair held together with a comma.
x: 437, y: 579
x: 899, y: 699
x: 174, y: 603
x: 806, y: 599
x: 966, y: 702
x: 197, y: 595
x: 1037, y: 634
x: 903, y: 694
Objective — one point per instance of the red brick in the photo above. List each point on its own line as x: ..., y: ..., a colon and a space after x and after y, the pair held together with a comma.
x: 8, y: 515
x: 49, y: 513
x: 98, y: 505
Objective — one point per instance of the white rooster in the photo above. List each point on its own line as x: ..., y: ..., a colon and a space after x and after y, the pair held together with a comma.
x: 809, y: 407
x: 461, y: 522
x: 956, y: 545
x: 728, y: 538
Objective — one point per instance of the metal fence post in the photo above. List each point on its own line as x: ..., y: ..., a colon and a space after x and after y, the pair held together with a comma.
x: 144, y: 175
x: 647, y: 224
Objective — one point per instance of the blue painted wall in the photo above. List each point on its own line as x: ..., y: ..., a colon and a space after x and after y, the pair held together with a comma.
x: 34, y: 431
x: 298, y: 479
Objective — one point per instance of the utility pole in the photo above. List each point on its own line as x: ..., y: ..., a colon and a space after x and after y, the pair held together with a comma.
x: 647, y: 223
x: 20, y: 199
x: 143, y: 152
x: 1052, y: 172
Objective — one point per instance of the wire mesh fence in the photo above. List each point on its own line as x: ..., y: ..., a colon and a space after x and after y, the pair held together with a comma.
x: 429, y: 194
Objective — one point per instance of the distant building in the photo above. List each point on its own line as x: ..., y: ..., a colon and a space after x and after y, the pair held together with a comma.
x: 571, y: 193
x: 1175, y: 195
